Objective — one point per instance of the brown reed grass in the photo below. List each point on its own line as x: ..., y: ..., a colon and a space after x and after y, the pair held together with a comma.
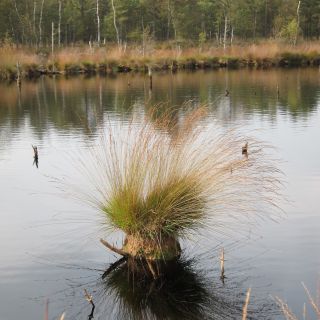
x: 161, y: 54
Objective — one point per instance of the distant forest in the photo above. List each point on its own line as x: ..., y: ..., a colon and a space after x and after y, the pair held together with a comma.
x: 33, y: 22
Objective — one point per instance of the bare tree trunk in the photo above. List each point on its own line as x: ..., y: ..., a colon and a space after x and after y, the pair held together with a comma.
x: 98, y: 23
x: 168, y: 21
x: 225, y: 31
x: 171, y: 20
x: 143, y: 38
x: 52, y: 46
x: 52, y: 39
x: 231, y: 38
x: 255, y: 24
x: 34, y: 20
x: 298, y: 23
x: 66, y: 40
x: 20, y: 20
x: 218, y: 33
x: 59, y: 24
x: 40, y: 24
x: 115, y: 22
x: 266, y: 18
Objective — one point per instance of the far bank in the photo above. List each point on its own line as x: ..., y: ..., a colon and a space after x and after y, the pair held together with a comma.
x: 22, y: 62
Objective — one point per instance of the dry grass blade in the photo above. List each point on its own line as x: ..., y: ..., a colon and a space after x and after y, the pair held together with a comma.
x: 311, y: 300
x: 245, y: 306
x: 289, y: 315
x: 62, y: 316
x: 88, y: 296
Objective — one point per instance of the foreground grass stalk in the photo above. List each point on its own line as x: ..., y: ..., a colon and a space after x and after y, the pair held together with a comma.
x: 287, y: 312
x: 245, y: 306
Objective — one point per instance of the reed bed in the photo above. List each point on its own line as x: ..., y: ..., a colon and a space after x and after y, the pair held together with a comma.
x: 160, y: 178
x: 110, y: 58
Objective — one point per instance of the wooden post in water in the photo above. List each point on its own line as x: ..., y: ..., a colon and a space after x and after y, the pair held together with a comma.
x: 35, y: 156
x: 18, y: 75
x: 278, y: 92
x: 150, y: 77
x: 90, y: 300
x: 222, y: 276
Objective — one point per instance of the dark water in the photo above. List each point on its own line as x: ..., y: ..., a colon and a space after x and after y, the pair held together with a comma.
x: 49, y: 243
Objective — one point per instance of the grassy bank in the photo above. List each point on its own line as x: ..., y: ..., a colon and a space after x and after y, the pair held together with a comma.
x: 111, y: 59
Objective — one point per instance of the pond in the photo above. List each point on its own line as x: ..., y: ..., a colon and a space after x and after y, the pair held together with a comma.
x: 49, y: 243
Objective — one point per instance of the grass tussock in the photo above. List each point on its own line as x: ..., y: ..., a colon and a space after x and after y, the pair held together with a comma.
x: 166, y: 177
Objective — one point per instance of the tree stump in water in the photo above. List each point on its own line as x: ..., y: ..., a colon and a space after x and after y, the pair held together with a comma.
x: 146, y: 254
x: 165, y: 248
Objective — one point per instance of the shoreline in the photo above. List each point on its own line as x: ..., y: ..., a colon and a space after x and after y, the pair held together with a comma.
x: 33, y: 70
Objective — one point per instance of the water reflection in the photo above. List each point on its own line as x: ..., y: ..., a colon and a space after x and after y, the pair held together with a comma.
x: 180, y: 293
x: 81, y: 103
x: 56, y: 113
x: 35, y: 156
x: 184, y: 291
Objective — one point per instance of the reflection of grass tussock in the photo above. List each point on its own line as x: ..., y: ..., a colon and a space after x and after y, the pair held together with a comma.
x: 153, y: 185
x: 182, y: 292
x: 140, y: 295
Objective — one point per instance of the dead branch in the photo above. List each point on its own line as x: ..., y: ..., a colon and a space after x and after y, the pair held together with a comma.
x: 90, y: 300
x: 114, y: 249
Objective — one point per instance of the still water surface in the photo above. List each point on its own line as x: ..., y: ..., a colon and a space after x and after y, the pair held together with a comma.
x: 49, y: 246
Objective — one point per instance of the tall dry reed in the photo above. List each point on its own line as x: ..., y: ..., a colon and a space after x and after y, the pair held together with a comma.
x: 288, y: 313
x: 162, y: 53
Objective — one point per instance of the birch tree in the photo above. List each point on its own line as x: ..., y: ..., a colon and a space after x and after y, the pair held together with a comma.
x: 98, y: 22
x: 115, y: 22
x: 59, y: 24
x: 40, y: 24
x: 298, y: 23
